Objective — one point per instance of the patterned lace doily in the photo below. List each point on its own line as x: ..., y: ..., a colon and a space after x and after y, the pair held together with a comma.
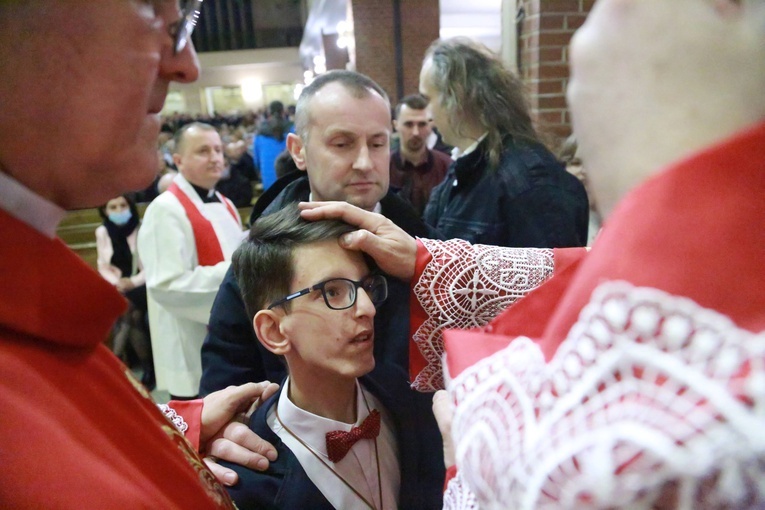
x: 466, y: 286
x: 651, y: 402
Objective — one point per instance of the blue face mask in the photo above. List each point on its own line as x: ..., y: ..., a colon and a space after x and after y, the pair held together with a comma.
x: 120, y: 218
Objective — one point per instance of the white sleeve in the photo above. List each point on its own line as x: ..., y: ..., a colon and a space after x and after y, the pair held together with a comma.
x: 104, y: 251
x: 168, y: 253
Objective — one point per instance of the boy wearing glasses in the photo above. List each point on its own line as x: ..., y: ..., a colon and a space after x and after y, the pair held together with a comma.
x: 339, y: 423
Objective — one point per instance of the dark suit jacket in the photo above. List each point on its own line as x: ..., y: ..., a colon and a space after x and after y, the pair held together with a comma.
x: 286, y: 486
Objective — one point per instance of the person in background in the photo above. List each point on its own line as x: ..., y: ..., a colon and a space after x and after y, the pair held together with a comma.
x: 632, y: 378
x: 415, y: 169
x: 186, y: 241
x: 78, y: 430
x: 505, y: 187
x: 118, y: 263
x: 234, y: 183
x: 270, y: 141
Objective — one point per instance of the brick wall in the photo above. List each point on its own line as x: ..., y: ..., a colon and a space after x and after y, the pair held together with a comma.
x: 373, y: 22
x: 546, y: 33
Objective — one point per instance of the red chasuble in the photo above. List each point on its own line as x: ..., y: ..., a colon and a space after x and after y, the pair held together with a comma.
x: 78, y: 430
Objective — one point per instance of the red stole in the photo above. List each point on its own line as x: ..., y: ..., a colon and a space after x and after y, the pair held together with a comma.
x: 209, y: 252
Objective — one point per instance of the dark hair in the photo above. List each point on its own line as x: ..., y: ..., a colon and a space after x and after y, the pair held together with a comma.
x: 284, y: 164
x: 181, y: 133
x: 276, y: 108
x: 475, y: 86
x: 413, y: 101
x: 263, y: 264
x: 356, y: 84
x: 129, y: 198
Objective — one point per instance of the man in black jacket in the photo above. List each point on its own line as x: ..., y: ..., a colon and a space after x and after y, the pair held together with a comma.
x: 342, y: 142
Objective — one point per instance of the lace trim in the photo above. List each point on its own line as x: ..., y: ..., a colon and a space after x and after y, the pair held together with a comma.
x: 651, y: 400
x: 174, y: 418
x: 457, y: 495
x: 466, y: 286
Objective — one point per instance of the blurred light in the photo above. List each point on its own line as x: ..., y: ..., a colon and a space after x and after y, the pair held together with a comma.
x: 298, y: 90
x: 252, y: 91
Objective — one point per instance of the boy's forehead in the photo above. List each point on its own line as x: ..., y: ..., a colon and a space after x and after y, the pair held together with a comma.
x: 326, y: 259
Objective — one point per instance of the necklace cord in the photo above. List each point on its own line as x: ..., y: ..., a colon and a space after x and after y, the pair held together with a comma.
x: 331, y: 469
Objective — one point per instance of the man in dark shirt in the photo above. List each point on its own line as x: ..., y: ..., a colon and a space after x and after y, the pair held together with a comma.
x: 414, y: 169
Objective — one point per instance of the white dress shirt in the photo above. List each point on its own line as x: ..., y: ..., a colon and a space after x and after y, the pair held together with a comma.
x: 358, y: 467
x: 29, y: 207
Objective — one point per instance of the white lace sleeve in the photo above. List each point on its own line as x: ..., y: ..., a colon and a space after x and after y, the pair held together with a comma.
x: 174, y: 418
x: 650, y: 402
x: 466, y: 286
x: 458, y: 496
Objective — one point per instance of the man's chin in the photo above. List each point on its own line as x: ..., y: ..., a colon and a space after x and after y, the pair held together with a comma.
x: 364, y: 202
x: 415, y: 147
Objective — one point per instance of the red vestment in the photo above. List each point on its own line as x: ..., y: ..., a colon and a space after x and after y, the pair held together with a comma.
x: 78, y: 430
x: 636, y: 377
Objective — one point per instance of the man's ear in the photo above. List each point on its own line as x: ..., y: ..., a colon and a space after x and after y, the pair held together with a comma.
x: 267, y: 328
x: 297, y: 150
x: 395, y: 124
x: 177, y: 160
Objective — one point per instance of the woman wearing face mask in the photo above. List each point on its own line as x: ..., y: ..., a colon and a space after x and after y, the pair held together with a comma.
x: 118, y: 263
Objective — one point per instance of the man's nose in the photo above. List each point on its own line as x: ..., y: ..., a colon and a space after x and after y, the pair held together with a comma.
x: 182, y: 67
x: 363, y: 159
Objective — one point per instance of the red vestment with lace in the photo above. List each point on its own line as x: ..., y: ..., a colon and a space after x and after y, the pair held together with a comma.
x: 634, y: 377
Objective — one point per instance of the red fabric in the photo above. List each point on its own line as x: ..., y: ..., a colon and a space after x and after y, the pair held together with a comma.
x: 694, y: 230
x: 340, y: 442
x: 78, y: 430
x: 209, y: 252
x: 451, y: 472
x: 191, y: 411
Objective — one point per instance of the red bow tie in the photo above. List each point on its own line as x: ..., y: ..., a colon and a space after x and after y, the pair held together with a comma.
x: 339, y: 442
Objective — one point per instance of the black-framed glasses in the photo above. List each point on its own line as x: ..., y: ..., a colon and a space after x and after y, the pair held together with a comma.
x: 182, y: 29
x: 341, y: 293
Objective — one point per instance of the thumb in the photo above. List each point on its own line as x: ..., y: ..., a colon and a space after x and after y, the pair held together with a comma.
x: 360, y: 240
x: 242, y: 396
x: 443, y: 410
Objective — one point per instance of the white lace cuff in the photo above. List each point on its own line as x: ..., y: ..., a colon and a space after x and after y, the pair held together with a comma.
x: 466, y: 286
x: 174, y: 418
x: 457, y: 495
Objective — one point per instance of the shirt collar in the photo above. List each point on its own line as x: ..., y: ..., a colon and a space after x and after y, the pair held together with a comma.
x: 206, y: 195
x: 29, y: 207
x: 311, y: 428
x: 456, y: 151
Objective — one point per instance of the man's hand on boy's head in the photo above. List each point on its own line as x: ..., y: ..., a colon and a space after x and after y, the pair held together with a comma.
x: 393, y: 250
x: 225, y: 436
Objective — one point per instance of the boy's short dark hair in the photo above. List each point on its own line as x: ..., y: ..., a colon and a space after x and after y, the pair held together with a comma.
x: 263, y: 264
